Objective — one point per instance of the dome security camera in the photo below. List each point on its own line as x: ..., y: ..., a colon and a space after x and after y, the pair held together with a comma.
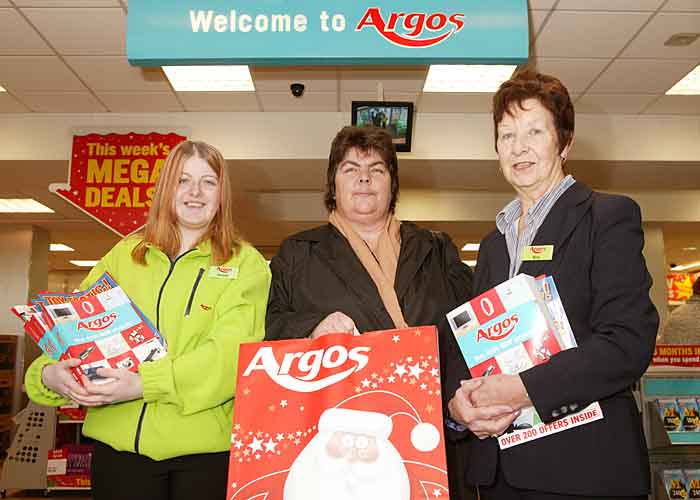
x: 297, y: 89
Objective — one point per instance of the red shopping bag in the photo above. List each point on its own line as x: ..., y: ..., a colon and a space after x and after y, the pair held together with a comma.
x: 341, y: 417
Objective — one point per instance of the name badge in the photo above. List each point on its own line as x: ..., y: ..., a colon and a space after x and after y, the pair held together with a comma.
x: 538, y: 252
x: 221, y: 272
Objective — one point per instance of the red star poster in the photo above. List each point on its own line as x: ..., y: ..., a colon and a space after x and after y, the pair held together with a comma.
x: 341, y: 417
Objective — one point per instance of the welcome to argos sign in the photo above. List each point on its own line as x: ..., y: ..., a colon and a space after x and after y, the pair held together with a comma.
x: 318, y: 32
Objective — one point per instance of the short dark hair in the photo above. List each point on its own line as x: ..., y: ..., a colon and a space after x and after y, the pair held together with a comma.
x: 552, y: 94
x: 366, y: 140
x: 696, y: 286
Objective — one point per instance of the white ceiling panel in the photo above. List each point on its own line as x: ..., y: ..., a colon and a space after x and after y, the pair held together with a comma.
x: 17, y: 37
x: 219, y: 101
x: 311, y: 101
x: 676, y: 105
x: 620, y: 5
x: 4, y: 3
x: 641, y: 76
x: 82, y: 31
x: 9, y: 104
x: 650, y: 42
x: 682, y: 6
x: 409, y: 80
x: 279, y: 79
x: 542, y: 4
x: 613, y: 104
x: 537, y: 17
x: 576, y: 74
x: 64, y: 102
x: 67, y: 3
x: 587, y: 34
x: 347, y: 98
x: 439, y: 102
x: 114, y: 74
x: 140, y: 102
x: 37, y: 74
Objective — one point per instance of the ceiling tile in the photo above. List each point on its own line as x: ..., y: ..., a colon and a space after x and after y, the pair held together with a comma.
x: 311, y: 101
x: 682, y: 6
x: 619, y: 5
x: 219, y: 101
x: 613, y: 104
x: 537, y: 17
x: 67, y: 3
x: 650, y: 42
x: 82, y: 31
x: 641, y: 76
x: 347, y: 97
x: 398, y: 80
x: 587, y: 34
x: 114, y: 74
x: 576, y: 74
x: 676, y: 105
x: 63, y: 102
x: 442, y: 102
x: 541, y: 4
x: 151, y: 102
x: 9, y: 104
x: 4, y: 3
x: 17, y: 37
x: 279, y: 79
x: 37, y: 74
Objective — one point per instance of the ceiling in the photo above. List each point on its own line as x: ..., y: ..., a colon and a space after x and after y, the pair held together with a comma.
x: 68, y: 56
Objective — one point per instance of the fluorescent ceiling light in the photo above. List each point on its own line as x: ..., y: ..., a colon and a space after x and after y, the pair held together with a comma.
x: 2, y: 89
x: 471, y: 247
x: 686, y: 267
x: 689, y: 249
x: 60, y: 247
x: 84, y: 263
x: 470, y: 263
x: 460, y: 78
x: 22, y: 206
x: 688, y: 85
x: 210, y: 78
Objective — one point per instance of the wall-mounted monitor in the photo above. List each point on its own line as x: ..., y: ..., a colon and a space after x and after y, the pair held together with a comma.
x: 396, y: 117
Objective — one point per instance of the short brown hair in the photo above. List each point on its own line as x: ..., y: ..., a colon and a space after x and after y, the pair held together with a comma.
x: 161, y: 227
x: 366, y: 140
x: 552, y: 94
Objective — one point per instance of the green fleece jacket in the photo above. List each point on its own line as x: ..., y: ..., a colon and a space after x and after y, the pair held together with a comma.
x: 203, y: 314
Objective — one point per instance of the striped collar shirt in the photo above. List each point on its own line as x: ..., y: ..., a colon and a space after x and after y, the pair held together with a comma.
x: 508, y: 218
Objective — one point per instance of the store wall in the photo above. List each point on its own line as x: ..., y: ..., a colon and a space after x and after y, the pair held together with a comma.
x: 655, y: 255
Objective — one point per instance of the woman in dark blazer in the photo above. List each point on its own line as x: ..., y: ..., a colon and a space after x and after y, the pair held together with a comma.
x: 365, y: 270
x: 597, y: 264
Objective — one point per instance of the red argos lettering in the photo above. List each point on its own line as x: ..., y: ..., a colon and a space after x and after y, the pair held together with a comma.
x: 498, y: 331
x: 98, y: 324
x: 407, y: 29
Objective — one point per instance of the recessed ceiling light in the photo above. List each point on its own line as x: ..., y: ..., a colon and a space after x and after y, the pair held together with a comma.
x: 60, y: 247
x: 471, y: 247
x: 22, y: 206
x: 681, y: 39
x: 688, y: 85
x: 689, y: 249
x: 462, y: 78
x: 210, y: 78
x: 470, y: 263
x: 2, y: 89
x: 686, y: 266
x: 84, y: 263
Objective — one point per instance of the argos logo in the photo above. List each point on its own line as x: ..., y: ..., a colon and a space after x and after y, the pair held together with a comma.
x: 414, y: 29
x: 97, y: 324
x: 498, y: 331
x: 308, y: 365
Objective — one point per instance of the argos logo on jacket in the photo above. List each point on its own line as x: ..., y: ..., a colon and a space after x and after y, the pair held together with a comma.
x: 412, y: 29
x: 312, y: 370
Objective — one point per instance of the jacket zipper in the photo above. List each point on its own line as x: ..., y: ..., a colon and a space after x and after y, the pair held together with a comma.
x: 137, y: 438
x: 194, y: 290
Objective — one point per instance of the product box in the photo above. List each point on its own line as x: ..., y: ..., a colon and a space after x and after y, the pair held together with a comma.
x: 670, y: 414
x: 692, y: 477
x: 69, y: 467
x: 674, y: 482
x: 690, y: 416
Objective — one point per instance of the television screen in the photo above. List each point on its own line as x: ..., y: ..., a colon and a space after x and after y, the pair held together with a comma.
x: 396, y: 117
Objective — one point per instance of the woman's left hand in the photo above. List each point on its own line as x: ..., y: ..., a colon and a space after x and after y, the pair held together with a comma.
x: 501, y: 389
x: 123, y: 386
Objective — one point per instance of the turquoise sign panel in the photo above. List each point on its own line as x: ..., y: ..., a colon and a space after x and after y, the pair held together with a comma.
x: 316, y: 32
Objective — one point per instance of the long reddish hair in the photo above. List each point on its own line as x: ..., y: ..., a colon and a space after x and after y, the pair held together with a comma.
x: 161, y: 228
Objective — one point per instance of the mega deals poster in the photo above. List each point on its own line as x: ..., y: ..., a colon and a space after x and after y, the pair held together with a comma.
x: 341, y: 417
x: 112, y: 177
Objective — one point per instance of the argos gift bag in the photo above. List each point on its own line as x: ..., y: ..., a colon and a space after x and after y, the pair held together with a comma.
x: 343, y: 417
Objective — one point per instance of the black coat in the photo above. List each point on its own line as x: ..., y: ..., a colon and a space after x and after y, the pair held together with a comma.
x: 603, y: 282
x: 317, y: 273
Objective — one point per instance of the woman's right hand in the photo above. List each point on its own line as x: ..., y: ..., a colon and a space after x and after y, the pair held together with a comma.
x: 59, y: 379
x: 336, y: 322
x: 483, y: 421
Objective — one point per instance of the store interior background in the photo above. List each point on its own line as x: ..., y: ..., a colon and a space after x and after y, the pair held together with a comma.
x: 64, y: 68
